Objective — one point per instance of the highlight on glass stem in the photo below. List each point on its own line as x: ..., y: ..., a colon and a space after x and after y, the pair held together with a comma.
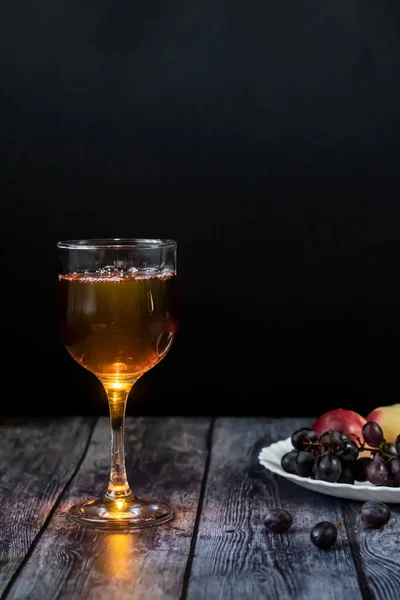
x: 117, y: 317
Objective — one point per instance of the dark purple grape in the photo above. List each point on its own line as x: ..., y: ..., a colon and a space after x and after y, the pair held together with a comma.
x: 374, y: 515
x: 389, y: 449
x: 301, y: 438
x: 288, y: 461
x: 334, y: 440
x: 398, y: 444
x: 324, y: 535
x: 360, y: 468
x: 277, y: 520
x: 347, y: 475
x: 348, y: 453
x: 327, y: 467
x: 392, y: 482
x: 372, y: 434
x: 304, y: 464
x: 377, y: 471
x: 394, y: 470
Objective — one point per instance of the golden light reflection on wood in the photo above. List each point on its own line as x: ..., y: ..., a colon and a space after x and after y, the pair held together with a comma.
x: 116, y: 558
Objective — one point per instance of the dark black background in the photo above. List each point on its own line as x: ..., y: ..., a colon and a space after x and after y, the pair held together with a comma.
x: 264, y: 137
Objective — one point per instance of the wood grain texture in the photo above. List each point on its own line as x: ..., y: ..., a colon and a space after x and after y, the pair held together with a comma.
x: 37, y: 459
x: 166, y: 458
x: 376, y: 553
x: 234, y: 557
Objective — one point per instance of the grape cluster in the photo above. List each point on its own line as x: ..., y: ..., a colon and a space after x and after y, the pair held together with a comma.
x: 335, y: 456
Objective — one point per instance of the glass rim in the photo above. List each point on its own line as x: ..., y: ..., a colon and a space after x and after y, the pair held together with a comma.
x: 117, y: 243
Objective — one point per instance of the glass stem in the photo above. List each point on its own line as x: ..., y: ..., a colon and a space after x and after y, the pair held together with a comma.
x: 117, y: 395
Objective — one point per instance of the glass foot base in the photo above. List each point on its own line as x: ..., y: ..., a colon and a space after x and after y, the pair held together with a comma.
x: 121, y: 515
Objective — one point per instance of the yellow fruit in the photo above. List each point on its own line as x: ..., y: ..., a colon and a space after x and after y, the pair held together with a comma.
x: 388, y: 417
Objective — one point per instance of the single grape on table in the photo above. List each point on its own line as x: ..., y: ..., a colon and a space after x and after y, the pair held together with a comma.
x: 375, y: 515
x: 324, y: 535
x: 277, y: 520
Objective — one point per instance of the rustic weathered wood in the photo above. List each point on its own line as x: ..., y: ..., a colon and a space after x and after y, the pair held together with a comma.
x: 166, y: 459
x: 234, y: 558
x: 376, y: 553
x: 46, y: 466
x: 37, y: 459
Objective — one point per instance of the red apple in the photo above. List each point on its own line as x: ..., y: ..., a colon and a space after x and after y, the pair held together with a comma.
x: 345, y: 420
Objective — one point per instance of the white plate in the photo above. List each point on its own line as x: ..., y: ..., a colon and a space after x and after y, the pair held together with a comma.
x: 270, y: 458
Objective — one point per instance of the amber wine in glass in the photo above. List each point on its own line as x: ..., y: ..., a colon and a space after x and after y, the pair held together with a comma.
x: 117, y: 317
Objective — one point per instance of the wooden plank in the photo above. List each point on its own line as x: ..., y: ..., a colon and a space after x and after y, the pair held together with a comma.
x: 376, y: 553
x: 234, y: 558
x: 37, y: 459
x: 166, y: 458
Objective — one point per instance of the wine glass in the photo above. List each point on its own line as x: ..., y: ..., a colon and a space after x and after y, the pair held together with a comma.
x: 117, y: 317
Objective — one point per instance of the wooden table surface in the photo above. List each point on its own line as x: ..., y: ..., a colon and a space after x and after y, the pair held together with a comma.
x: 215, y: 548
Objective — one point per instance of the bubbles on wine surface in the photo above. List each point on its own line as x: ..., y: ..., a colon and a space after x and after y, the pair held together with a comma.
x: 112, y: 274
